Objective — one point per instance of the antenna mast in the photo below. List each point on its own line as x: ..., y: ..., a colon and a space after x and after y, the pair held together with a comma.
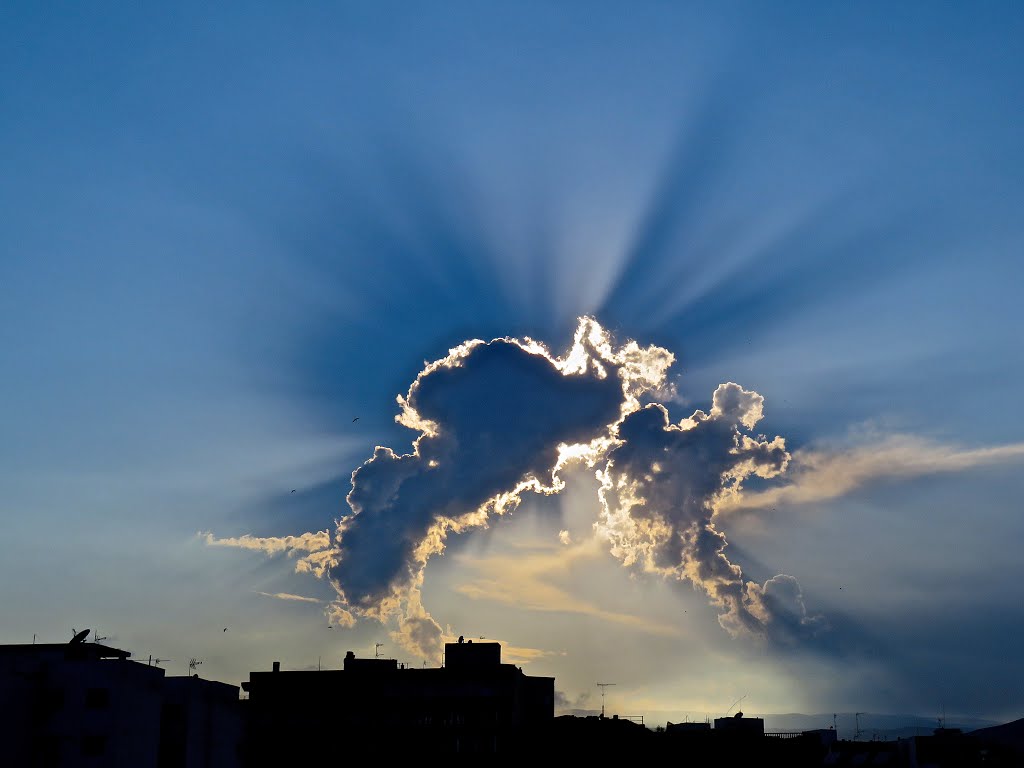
x: 741, y: 698
x: 856, y: 719
x: 376, y: 650
x: 603, y: 686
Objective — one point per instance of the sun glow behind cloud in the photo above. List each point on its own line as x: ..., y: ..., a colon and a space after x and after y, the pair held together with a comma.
x: 499, y: 421
x: 501, y: 418
x: 528, y: 579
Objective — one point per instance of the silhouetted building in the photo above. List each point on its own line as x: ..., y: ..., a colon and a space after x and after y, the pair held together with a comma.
x: 201, y: 724
x: 84, y: 704
x: 824, y: 736
x: 671, y: 727
x: 474, y: 703
x: 78, y: 704
x: 572, y: 739
x: 739, y: 725
x: 952, y: 748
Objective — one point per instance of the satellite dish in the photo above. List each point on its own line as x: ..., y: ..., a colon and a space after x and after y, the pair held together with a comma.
x: 80, y: 636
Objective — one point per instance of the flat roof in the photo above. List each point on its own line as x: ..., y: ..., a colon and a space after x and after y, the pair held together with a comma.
x: 94, y: 650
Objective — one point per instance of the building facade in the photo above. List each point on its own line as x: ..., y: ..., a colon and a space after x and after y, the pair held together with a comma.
x: 473, y: 703
x: 87, y: 705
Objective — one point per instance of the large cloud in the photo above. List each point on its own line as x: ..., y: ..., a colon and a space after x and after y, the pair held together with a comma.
x: 496, y: 419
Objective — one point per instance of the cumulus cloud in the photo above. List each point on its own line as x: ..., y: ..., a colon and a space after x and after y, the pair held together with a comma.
x: 661, y: 488
x: 417, y: 631
x: 825, y: 473
x: 497, y: 419
x: 579, y: 705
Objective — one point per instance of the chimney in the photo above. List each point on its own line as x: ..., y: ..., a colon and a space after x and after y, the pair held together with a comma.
x: 277, y: 666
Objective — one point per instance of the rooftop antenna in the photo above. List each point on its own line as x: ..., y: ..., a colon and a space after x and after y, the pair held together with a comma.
x: 192, y: 664
x: 857, y: 731
x: 603, y: 687
x: 158, y: 662
x: 741, y: 698
x: 376, y: 650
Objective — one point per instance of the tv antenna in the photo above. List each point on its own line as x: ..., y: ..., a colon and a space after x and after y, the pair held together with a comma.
x: 603, y: 687
x: 158, y: 662
x: 96, y: 637
x: 376, y: 650
x: 856, y: 720
x: 192, y: 664
x: 741, y: 698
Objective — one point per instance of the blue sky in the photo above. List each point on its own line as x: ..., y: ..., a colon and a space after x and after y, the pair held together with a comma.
x: 230, y: 231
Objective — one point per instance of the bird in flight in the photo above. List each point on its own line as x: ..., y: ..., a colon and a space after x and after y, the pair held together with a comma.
x: 225, y: 629
x: 293, y: 490
x: 355, y: 419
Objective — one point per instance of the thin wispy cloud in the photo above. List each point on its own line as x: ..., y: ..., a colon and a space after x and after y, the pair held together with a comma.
x: 289, y: 596
x: 820, y: 474
x: 306, y: 542
x: 317, y: 544
x: 514, y: 654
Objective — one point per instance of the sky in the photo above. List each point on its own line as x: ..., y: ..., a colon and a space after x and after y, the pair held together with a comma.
x: 674, y: 346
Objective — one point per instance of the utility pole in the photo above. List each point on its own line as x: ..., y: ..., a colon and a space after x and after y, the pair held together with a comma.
x: 603, y: 686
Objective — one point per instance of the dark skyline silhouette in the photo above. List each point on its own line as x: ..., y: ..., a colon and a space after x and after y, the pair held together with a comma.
x: 82, y: 704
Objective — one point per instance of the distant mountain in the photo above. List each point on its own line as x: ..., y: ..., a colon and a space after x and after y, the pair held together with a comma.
x: 1009, y: 735
x: 873, y: 726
